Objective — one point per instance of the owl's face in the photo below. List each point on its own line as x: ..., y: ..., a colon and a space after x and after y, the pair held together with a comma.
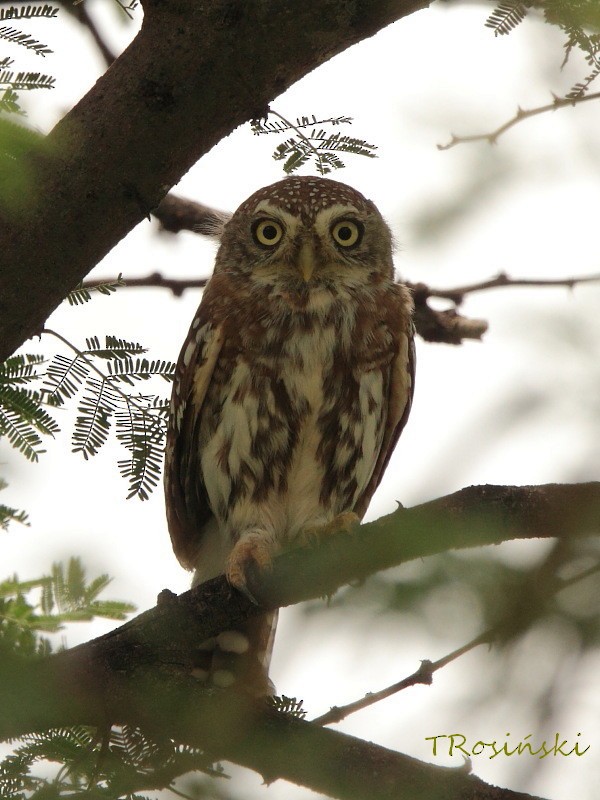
x: 306, y: 233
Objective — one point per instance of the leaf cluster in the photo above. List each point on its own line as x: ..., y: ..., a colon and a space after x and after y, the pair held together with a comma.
x: 46, y: 604
x: 123, y: 762
x: 139, y: 420
x: 578, y: 19
x: 316, y: 144
x: 83, y: 294
x: 8, y: 514
x: 105, y: 404
x: 23, y: 418
x: 11, y: 82
x: 288, y: 705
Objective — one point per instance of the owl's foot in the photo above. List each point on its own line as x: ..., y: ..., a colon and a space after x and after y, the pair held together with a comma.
x: 252, y: 552
x: 343, y: 523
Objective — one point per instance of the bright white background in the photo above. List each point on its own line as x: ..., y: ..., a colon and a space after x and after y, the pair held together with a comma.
x: 520, y: 407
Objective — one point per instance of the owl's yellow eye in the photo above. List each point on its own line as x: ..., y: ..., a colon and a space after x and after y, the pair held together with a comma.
x: 347, y: 233
x: 267, y: 232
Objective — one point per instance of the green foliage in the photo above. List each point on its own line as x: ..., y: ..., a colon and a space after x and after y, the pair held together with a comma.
x: 122, y: 762
x: 83, y: 294
x: 22, y: 416
x: 506, y: 17
x: 315, y: 145
x: 17, y: 146
x: 28, y: 12
x: 288, y: 705
x: 18, y: 37
x: 578, y: 19
x: 8, y: 514
x: 61, y: 597
x: 141, y: 419
x: 12, y: 82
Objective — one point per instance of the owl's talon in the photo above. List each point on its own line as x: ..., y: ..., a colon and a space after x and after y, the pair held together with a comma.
x: 243, y: 589
x: 251, y: 552
x: 342, y: 523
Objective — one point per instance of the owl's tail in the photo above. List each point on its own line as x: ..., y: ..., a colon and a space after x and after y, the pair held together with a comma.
x: 240, y: 657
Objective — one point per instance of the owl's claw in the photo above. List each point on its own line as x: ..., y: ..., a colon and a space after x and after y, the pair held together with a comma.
x: 343, y: 523
x: 251, y: 553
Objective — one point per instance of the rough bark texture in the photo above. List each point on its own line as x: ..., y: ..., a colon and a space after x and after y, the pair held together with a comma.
x: 111, y: 679
x: 195, y: 72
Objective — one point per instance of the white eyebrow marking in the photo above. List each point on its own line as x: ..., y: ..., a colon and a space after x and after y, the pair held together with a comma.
x: 325, y: 217
x: 289, y: 220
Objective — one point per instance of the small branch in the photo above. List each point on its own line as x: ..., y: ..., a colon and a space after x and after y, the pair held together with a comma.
x: 154, y: 281
x: 522, y: 113
x: 448, y: 326
x: 81, y: 14
x: 456, y: 295
x: 176, y: 213
x: 423, y: 675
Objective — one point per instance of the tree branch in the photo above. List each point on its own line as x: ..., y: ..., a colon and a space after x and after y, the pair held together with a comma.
x: 423, y: 675
x: 471, y: 517
x: 176, y: 213
x: 457, y: 294
x: 180, y: 87
x: 110, y: 679
x: 522, y: 113
x: 235, y: 727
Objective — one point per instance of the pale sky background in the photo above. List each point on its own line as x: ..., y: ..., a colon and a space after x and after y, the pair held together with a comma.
x: 520, y: 407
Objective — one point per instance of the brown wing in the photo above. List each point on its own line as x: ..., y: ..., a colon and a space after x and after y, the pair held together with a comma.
x: 187, y: 506
x: 400, y: 394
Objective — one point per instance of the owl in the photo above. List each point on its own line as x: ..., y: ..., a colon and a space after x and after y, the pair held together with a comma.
x: 291, y: 390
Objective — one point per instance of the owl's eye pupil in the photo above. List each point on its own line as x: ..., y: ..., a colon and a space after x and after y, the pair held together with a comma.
x: 270, y: 232
x: 344, y: 233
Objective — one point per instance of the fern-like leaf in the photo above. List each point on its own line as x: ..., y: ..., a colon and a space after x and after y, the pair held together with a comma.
x: 9, y: 103
x: 28, y: 12
x: 22, y: 81
x: 581, y: 87
x: 20, y: 369
x: 64, y: 378
x: 8, y: 515
x: 114, y: 348
x: 288, y: 705
x: 128, y: 371
x: 83, y: 294
x: 92, y: 426
x: 142, y: 434
x: 22, y: 418
x: 506, y: 16
x: 18, y: 37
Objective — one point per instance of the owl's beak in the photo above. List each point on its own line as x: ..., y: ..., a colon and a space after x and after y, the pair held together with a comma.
x: 306, y: 260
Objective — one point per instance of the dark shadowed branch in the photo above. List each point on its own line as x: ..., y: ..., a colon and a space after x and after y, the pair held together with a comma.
x: 110, y: 679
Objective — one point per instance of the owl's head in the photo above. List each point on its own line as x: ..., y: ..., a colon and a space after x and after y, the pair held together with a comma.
x: 305, y: 232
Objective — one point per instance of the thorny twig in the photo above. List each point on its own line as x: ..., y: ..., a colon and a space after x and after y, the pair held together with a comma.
x: 522, y: 113
x: 424, y: 674
x: 457, y: 294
